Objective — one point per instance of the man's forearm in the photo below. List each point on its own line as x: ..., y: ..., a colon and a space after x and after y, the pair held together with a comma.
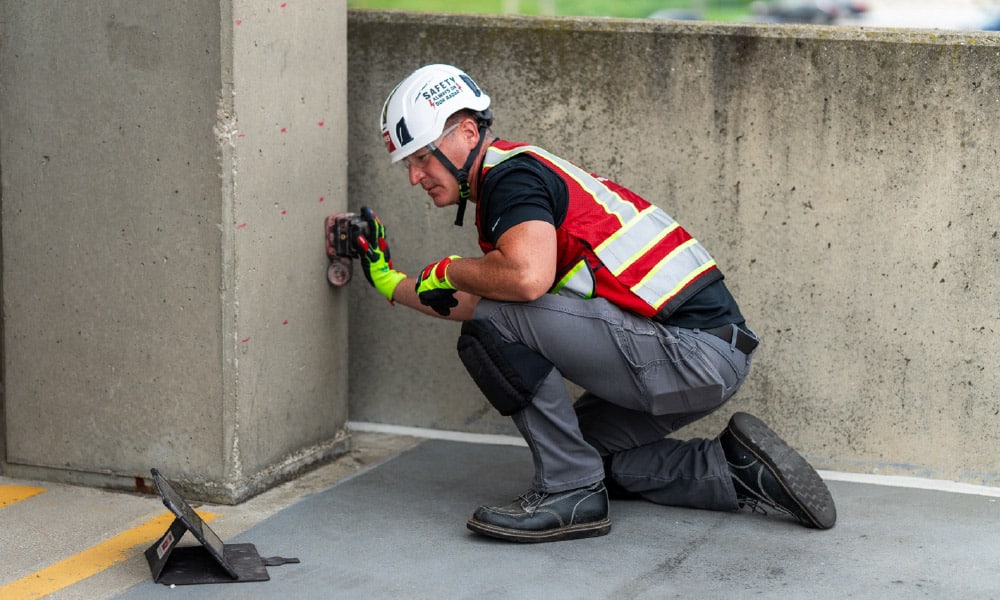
x: 406, y: 294
x: 493, y: 278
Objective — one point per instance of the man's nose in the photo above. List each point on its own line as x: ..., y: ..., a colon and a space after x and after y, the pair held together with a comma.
x: 416, y: 174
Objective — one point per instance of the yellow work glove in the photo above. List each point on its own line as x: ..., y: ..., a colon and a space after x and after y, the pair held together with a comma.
x: 434, y: 289
x: 374, y: 254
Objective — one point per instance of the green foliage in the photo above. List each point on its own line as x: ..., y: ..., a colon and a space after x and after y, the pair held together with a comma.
x: 714, y: 9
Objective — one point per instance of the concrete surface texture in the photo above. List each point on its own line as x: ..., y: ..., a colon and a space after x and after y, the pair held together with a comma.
x: 52, y: 543
x: 165, y: 171
x: 398, y: 531
x: 844, y: 179
x: 388, y: 521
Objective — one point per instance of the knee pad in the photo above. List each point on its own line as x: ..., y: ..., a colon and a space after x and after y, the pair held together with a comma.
x: 508, y: 373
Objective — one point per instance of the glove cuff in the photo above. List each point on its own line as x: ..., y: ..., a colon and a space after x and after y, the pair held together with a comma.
x: 389, y: 282
x: 440, y: 270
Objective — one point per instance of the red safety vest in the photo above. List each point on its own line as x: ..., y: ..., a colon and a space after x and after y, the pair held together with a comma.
x: 614, y: 244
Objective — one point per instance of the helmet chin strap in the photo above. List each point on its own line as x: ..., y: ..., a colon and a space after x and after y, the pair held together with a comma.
x: 462, y: 175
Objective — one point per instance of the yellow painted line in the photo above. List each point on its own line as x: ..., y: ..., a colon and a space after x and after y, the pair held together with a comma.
x: 9, y: 494
x: 91, y: 561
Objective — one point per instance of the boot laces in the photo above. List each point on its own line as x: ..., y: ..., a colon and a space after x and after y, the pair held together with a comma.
x: 756, y: 499
x: 531, y: 499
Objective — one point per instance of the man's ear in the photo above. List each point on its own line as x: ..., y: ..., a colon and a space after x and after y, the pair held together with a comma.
x: 469, y: 132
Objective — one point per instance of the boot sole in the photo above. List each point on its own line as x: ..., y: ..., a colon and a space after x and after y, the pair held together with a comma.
x: 802, y: 483
x: 570, y: 532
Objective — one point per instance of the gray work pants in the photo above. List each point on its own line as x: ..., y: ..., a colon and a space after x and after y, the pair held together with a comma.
x: 643, y: 380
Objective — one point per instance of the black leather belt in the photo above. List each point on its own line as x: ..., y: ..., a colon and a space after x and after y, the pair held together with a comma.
x: 745, y: 342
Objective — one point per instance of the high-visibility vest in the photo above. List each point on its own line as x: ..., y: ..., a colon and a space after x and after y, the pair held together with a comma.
x: 613, y: 243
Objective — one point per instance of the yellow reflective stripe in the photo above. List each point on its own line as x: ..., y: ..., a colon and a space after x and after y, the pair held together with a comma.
x: 689, y: 258
x: 648, y: 229
x: 495, y: 156
x: 566, y: 278
x: 645, y: 230
x: 680, y: 286
x: 579, y: 281
x: 611, y: 202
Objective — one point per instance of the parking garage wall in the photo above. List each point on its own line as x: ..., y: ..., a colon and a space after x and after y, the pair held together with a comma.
x: 844, y: 179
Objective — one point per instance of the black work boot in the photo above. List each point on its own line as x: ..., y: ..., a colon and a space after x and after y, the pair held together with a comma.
x: 541, y: 517
x: 768, y: 471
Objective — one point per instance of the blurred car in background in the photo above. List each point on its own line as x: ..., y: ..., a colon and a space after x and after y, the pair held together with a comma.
x: 677, y: 14
x: 823, y: 12
x: 992, y: 22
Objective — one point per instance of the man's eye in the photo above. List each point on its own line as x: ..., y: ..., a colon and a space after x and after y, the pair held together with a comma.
x: 417, y: 160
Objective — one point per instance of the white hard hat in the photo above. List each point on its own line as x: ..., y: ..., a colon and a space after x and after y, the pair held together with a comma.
x: 415, y: 112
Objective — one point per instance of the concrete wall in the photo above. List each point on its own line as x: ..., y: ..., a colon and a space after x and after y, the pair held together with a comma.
x: 844, y: 179
x: 165, y: 171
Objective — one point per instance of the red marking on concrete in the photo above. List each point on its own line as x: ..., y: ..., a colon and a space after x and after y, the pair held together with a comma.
x: 241, y: 226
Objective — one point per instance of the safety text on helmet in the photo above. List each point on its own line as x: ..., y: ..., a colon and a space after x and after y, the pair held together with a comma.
x: 442, y: 92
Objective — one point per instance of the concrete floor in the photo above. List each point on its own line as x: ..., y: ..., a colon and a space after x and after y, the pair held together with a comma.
x: 388, y: 521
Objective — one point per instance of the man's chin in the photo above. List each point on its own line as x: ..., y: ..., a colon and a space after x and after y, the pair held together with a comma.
x: 441, y: 201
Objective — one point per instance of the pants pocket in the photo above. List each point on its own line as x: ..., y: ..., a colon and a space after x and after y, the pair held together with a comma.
x: 684, y: 382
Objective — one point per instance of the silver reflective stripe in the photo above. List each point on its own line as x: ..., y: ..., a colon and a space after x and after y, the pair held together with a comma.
x: 673, y: 273
x: 634, y: 239
x: 639, y: 233
x: 612, y: 202
x: 579, y: 281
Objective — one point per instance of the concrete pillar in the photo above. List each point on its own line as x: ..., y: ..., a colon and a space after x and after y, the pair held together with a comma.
x: 165, y: 171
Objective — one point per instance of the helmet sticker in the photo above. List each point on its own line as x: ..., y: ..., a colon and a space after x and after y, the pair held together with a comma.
x: 442, y: 91
x: 402, y: 133
x: 472, y: 85
x: 388, y: 141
